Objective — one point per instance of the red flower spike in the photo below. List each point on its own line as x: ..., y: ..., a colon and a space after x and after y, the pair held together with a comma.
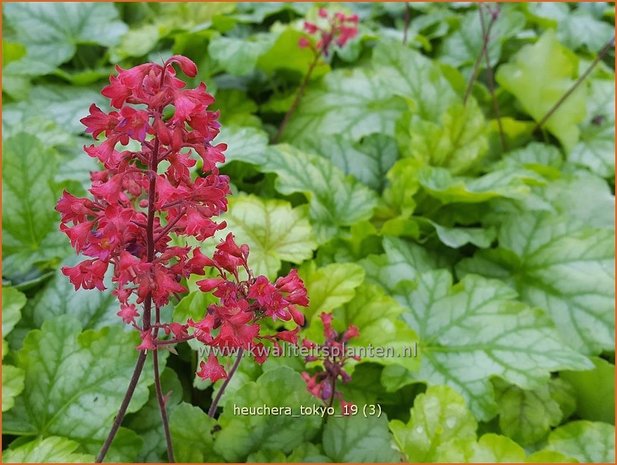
x: 124, y: 227
x: 331, y: 28
x: 333, y: 354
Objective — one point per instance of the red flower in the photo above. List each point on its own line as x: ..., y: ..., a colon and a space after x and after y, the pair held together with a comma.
x: 211, y: 369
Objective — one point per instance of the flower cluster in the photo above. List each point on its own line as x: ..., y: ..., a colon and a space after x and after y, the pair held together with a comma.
x: 335, y: 28
x: 334, y: 355
x: 145, y: 195
x: 233, y: 324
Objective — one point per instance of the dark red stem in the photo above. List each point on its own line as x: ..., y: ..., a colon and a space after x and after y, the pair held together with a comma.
x: 299, y: 94
x: 147, y: 315
x: 159, y: 395
x: 219, y: 394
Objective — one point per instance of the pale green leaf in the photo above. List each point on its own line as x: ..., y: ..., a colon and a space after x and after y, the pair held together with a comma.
x: 29, y: 198
x: 359, y: 439
x: 409, y: 74
x: 594, y: 391
x: 538, y: 92
x: 191, y: 432
x: 563, y: 266
x: 526, y: 415
x: 330, y: 286
x: 12, y: 303
x: 476, y: 330
x: 439, y: 183
x: 69, y: 389
x: 273, y: 230
x: 586, y: 441
x: 335, y: 200
x: 52, y: 31
x: 438, y: 416
x: 490, y: 448
x: 457, y: 140
x: 12, y: 385
x: 47, y: 450
x: 353, y: 103
x: 239, y: 56
x: 244, y: 144
x: 368, y: 162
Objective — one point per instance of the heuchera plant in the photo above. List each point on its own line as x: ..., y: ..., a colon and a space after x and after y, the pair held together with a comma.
x: 331, y: 28
x: 333, y: 354
x: 144, y: 196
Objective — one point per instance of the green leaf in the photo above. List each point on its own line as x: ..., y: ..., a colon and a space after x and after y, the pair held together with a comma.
x: 398, y: 196
x: 273, y: 230
x: 286, y: 54
x: 586, y: 441
x: 50, y: 449
x: 12, y: 385
x: 92, y: 308
x: 244, y: 144
x: 538, y: 92
x: 563, y: 266
x: 490, y: 448
x: 580, y: 28
x: 368, y: 162
x: 458, y: 237
x: 463, y: 47
x: 439, y: 183
x: 359, y: 439
x: 402, y: 261
x: 137, y: 42
x: 52, y: 31
x: 526, y: 416
x: 191, y: 432
x: 438, y: 416
x: 409, y: 74
x: 241, y: 435
x: 353, y: 103
x: 29, y: 197
x: 457, y: 140
x: 239, y: 56
x: 330, y: 286
x: 12, y: 303
x: 476, y: 330
x: 594, y: 391
x: 596, y: 150
x: 70, y: 390
x: 335, y: 200
x: 377, y: 316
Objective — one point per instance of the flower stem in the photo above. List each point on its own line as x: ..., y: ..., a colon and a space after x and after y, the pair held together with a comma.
x: 299, y: 94
x: 147, y: 315
x: 219, y: 394
x: 139, y: 366
x: 476, y: 66
x: 491, y: 83
x: 407, y: 21
x: 160, y: 398
x: 603, y: 51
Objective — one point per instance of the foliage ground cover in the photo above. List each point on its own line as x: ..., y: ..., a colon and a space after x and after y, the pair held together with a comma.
x: 417, y: 186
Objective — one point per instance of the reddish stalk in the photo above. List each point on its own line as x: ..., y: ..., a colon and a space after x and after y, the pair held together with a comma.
x: 160, y: 397
x: 219, y: 394
x: 476, y: 66
x: 491, y: 81
x: 299, y: 95
x: 147, y: 315
x: 407, y: 21
x: 603, y: 51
